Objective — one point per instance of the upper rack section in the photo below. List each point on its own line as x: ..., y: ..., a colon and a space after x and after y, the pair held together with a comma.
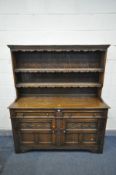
x: 58, y: 69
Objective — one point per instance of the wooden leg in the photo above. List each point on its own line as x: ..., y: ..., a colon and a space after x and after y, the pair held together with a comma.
x: 98, y: 150
x: 19, y: 150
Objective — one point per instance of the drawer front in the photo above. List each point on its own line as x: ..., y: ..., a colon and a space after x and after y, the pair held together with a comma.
x: 32, y: 115
x: 83, y: 114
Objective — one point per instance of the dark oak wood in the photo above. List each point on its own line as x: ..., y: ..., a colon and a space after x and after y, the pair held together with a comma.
x: 58, y: 48
x: 58, y: 104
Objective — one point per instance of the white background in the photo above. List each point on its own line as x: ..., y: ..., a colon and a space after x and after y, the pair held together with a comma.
x: 56, y: 22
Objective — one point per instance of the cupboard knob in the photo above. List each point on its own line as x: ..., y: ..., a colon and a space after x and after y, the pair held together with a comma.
x: 64, y: 131
x: 58, y: 110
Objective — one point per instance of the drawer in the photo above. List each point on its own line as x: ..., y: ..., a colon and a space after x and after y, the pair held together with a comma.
x: 34, y: 114
x: 83, y: 114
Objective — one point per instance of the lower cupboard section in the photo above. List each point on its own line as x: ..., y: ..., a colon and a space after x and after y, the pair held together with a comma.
x: 40, y: 132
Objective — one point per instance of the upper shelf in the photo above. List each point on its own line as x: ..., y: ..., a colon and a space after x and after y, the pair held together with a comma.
x: 53, y: 85
x: 34, y: 70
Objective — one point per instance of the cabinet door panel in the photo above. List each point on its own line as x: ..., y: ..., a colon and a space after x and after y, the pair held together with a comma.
x: 82, y: 125
x: 71, y: 139
x: 79, y: 131
x: 37, y: 138
x: 78, y: 124
x: 37, y: 124
x: 27, y: 138
x: 37, y: 132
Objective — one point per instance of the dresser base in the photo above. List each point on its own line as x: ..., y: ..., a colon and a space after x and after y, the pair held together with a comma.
x: 58, y: 129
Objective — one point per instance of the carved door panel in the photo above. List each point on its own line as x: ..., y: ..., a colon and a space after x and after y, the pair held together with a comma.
x: 78, y: 131
x: 39, y: 132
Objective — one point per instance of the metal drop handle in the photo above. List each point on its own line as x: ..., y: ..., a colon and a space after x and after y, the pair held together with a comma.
x: 53, y: 126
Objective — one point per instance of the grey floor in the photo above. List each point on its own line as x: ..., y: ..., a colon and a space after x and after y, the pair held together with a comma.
x: 57, y: 163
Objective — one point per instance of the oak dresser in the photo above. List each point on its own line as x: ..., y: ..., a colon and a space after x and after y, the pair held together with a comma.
x: 58, y: 101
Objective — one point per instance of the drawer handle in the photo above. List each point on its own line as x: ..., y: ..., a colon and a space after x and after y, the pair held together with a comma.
x: 64, y: 131
x: 53, y: 126
x: 20, y: 115
x: 92, y: 139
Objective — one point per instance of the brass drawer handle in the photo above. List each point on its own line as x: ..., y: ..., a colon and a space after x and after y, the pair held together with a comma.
x: 92, y: 139
x: 53, y: 126
x: 21, y: 115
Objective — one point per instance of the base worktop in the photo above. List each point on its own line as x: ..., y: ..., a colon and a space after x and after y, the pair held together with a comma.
x: 58, y: 102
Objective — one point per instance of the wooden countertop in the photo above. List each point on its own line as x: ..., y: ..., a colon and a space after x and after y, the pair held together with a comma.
x: 58, y: 102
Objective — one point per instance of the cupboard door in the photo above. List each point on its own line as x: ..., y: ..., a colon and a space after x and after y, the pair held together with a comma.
x: 79, y: 131
x: 37, y: 132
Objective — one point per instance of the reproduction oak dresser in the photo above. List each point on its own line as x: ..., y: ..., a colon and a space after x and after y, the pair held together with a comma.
x: 58, y: 97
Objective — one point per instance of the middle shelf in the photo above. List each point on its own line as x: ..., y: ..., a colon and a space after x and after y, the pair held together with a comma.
x: 52, y: 70
x: 55, y: 84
